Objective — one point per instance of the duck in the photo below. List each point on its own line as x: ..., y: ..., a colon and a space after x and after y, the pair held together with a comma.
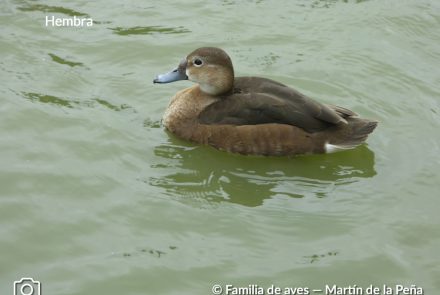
x: 254, y: 115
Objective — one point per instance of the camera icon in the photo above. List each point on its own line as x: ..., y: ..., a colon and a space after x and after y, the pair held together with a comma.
x: 27, y: 286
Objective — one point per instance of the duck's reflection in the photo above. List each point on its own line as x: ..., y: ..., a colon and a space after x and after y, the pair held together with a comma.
x: 186, y: 170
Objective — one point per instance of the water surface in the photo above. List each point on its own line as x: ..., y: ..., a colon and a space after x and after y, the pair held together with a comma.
x: 96, y: 198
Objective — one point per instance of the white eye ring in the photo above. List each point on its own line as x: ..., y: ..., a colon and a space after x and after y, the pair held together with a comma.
x: 198, y: 62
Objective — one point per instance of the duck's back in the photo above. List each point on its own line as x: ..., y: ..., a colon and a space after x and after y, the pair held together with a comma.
x: 257, y: 101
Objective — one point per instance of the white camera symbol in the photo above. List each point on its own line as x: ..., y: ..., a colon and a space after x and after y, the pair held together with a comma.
x: 27, y: 286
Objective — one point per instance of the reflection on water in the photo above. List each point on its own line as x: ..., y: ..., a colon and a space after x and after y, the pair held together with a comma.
x: 52, y: 9
x: 142, y: 252
x: 202, y: 172
x: 72, y: 103
x: 64, y: 61
x: 148, y: 30
x: 50, y: 99
x: 317, y: 257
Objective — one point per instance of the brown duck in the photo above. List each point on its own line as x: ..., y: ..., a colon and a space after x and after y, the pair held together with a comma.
x: 252, y: 115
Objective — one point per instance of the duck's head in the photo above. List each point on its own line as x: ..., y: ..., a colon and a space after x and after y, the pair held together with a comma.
x: 210, y: 67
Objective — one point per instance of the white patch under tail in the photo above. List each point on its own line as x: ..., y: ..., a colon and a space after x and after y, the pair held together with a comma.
x: 332, y: 148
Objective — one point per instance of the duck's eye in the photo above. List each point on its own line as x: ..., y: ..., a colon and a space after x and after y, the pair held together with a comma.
x: 198, y: 62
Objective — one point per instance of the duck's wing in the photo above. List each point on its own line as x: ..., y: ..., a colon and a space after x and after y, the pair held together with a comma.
x: 260, y: 101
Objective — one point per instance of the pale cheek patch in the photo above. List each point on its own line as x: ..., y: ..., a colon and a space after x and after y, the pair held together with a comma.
x: 190, y: 76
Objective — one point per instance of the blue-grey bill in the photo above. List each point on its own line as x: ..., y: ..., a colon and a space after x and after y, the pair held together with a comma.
x: 175, y: 75
x: 172, y: 76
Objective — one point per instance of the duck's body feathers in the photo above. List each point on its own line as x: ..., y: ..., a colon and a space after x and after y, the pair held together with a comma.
x: 260, y: 101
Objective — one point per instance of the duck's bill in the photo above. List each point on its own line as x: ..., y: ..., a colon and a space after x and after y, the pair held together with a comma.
x: 175, y: 75
x: 172, y: 76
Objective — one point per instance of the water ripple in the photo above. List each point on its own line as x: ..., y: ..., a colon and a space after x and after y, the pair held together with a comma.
x: 138, y: 30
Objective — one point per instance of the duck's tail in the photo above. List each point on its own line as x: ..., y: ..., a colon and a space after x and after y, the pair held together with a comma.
x: 350, y: 135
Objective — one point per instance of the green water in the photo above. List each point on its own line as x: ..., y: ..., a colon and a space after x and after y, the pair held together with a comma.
x: 96, y: 198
